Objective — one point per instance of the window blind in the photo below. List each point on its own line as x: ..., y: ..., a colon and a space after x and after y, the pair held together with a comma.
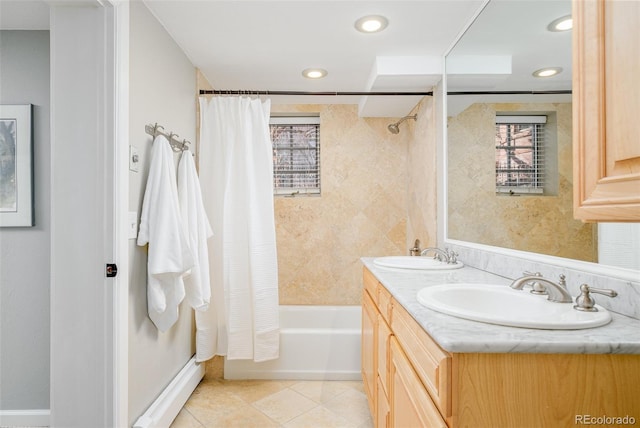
x: 520, y: 154
x: 296, y: 155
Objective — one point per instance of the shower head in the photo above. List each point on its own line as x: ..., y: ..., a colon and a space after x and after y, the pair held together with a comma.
x: 394, y: 128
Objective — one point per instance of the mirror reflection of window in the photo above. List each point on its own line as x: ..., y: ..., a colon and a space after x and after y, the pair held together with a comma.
x: 520, y: 154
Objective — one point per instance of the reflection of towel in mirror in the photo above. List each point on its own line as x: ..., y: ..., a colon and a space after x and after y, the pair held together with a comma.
x: 197, y: 230
x: 161, y: 227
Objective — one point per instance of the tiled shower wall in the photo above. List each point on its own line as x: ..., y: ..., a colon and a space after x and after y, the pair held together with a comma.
x: 362, y: 210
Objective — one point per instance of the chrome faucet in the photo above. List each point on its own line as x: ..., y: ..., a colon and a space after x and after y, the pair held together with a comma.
x: 556, y: 292
x: 415, y: 251
x: 446, y: 255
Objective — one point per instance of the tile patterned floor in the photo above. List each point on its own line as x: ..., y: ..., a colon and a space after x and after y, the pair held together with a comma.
x: 223, y: 403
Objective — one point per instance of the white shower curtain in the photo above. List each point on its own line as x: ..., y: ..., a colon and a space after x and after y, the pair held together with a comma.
x: 236, y: 173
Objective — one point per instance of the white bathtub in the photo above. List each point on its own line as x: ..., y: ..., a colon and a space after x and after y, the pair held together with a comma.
x: 316, y: 342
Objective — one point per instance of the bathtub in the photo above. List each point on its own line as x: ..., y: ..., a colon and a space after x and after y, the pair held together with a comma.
x: 316, y: 343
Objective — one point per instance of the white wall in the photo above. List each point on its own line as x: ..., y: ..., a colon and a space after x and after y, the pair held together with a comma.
x: 24, y: 251
x: 162, y: 89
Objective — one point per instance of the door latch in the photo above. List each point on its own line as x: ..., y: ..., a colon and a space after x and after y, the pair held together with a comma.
x: 111, y: 270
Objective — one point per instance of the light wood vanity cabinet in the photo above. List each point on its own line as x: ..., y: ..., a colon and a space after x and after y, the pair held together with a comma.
x: 606, y: 108
x: 411, y: 382
x: 394, y: 380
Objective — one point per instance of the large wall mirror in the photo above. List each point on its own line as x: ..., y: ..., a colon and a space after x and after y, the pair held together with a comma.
x: 509, y: 139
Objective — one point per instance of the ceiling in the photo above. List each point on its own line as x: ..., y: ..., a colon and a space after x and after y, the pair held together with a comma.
x: 500, y: 51
x: 265, y: 44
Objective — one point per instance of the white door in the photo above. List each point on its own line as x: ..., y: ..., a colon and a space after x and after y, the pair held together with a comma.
x: 89, y: 63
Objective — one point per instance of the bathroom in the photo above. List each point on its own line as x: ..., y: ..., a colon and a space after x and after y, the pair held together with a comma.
x: 319, y: 256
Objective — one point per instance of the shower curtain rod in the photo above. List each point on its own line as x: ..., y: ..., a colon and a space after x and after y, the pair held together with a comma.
x: 327, y: 93
x: 376, y: 93
x: 554, y: 92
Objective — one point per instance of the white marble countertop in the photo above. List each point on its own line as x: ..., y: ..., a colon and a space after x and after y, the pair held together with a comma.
x: 457, y: 335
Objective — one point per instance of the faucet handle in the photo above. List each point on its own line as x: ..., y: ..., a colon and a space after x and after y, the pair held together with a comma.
x: 585, y: 303
x: 562, y: 281
x: 536, y: 287
x: 452, y: 256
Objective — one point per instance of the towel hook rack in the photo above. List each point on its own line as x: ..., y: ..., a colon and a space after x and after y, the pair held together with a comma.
x: 174, y: 139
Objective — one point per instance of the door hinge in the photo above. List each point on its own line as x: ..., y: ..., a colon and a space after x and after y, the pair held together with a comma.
x: 111, y: 270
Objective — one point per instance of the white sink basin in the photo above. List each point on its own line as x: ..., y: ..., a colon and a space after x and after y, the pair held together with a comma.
x: 415, y: 262
x: 500, y: 304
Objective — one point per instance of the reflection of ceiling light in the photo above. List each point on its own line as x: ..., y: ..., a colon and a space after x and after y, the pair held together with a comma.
x: 547, y: 72
x: 561, y: 24
x: 314, y: 73
x: 371, y: 23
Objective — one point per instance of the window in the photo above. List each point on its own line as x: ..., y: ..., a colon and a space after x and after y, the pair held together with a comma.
x: 296, y: 155
x: 520, y: 157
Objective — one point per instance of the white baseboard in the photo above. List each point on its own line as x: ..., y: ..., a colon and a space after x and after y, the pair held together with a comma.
x: 164, y: 410
x: 25, y: 418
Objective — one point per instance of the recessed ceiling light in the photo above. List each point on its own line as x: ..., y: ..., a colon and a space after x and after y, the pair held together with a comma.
x: 314, y: 73
x: 564, y: 23
x: 547, y: 72
x: 371, y: 23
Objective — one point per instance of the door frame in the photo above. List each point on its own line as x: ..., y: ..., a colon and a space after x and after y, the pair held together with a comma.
x: 89, y: 204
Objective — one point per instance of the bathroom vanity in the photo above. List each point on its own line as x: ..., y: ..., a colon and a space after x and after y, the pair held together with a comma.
x: 422, y: 368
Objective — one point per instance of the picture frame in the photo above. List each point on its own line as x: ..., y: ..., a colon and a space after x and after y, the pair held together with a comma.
x: 16, y: 166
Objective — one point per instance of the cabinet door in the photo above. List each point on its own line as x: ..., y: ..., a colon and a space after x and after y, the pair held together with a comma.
x: 382, y: 414
x: 606, y: 109
x: 383, y: 335
x: 369, y: 319
x: 411, y: 405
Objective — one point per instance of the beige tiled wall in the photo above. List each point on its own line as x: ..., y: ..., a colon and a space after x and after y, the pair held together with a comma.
x: 362, y: 210
x: 422, y: 177
x: 540, y: 224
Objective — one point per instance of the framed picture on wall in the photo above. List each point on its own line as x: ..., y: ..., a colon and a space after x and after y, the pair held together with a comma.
x: 16, y: 166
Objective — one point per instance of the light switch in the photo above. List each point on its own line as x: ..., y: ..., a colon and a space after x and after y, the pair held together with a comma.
x: 133, y: 225
x: 134, y: 159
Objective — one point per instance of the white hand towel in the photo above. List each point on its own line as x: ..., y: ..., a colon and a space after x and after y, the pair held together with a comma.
x: 197, y: 230
x: 169, y: 255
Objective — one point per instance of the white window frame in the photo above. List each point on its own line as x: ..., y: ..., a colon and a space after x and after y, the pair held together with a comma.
x: 298, y: 190
x: 538, y: 149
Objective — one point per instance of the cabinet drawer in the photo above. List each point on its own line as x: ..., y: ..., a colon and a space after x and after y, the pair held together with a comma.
x: 384, y: 303
x: 431, y: 363
x: 370, y: 284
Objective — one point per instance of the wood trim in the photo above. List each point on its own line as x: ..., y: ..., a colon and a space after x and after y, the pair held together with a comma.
x: 607, y: 185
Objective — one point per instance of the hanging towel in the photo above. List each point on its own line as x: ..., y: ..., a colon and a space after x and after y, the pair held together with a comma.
x: 169, y: 254
x: 197, y: 230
